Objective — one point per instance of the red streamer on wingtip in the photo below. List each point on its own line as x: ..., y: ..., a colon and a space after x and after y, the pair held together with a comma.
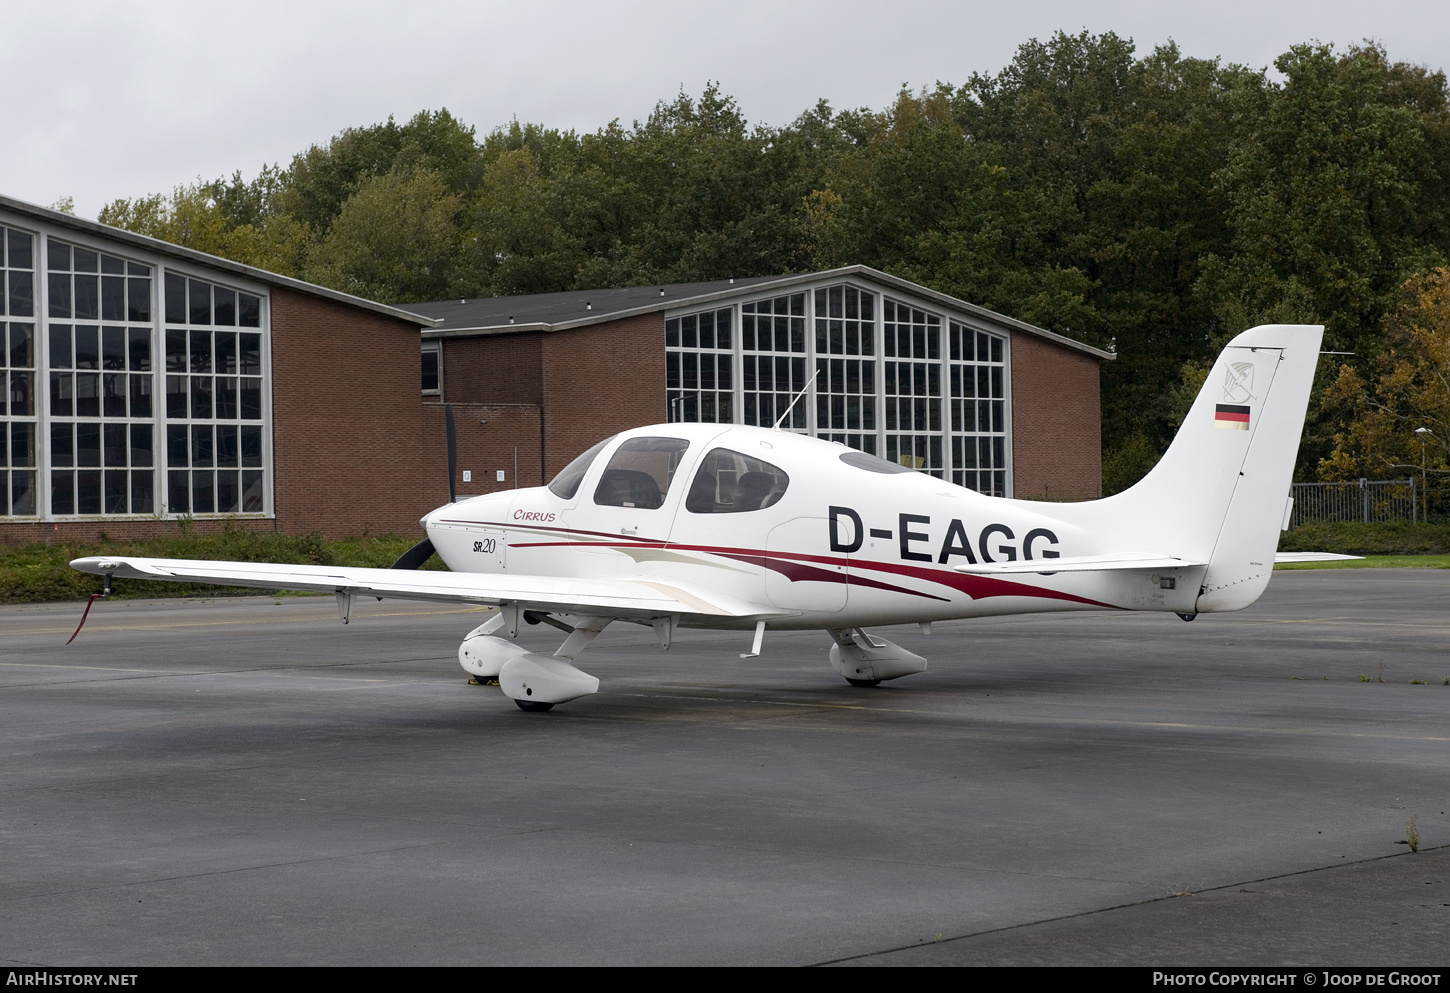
x: 84, y: 616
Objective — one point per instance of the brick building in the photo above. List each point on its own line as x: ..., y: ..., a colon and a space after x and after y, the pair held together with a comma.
x: 147, y: 384
x: 887, y: 366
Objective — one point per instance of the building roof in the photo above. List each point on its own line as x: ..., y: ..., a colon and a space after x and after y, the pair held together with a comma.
x: 202, y: 258
x: 572, y: 306
x: 581, y: 308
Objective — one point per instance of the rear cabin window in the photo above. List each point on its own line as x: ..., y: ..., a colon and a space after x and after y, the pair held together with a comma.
x: 640, y: 473
x: 871, y: 463
x: 730, y: 483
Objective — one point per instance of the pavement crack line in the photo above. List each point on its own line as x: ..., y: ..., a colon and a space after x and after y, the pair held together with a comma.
x: 1121, y: 906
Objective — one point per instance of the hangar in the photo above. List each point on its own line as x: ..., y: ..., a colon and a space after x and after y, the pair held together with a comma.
x: 885, y: 365
x: 150, y: 385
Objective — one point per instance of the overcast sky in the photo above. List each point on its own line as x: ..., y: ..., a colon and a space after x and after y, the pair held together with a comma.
x: 120, y: 99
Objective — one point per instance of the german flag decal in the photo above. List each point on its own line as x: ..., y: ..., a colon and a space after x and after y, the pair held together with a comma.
x: 1233, y: 416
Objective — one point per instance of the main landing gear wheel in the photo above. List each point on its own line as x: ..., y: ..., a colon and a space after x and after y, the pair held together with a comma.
x: 533, y: 706
x: 865, y: 684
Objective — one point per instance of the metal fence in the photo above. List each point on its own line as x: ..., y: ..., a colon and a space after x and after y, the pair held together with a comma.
x: 1366, y: 500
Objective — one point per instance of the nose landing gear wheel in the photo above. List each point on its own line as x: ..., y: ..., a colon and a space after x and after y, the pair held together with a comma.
x: 863, y: 683
x: 534, y: 707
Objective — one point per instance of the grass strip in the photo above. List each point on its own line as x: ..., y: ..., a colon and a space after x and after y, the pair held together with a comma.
x: 1376, y: 562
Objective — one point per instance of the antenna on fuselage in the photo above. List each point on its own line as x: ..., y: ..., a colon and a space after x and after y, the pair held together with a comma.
x: 796, y: 399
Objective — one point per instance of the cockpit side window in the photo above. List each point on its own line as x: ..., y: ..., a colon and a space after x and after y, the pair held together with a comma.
x: 640, y: 473
x: 566, y: 483
x: 730, y: 483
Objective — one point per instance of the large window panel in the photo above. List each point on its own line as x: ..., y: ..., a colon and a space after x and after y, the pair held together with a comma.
x: 18, y: 375
x: 890, y: 378
x: 911, y: 346
x: 845, y: 384
x: 100, y: 383
x: 978, y: 406
x: 699, y: 367
x: 213, y: 399
x: 82, y: 430
x: 774, y: 361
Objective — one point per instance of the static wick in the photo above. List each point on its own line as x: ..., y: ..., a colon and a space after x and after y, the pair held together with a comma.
x: 87, y: 612
x: 85, y: 615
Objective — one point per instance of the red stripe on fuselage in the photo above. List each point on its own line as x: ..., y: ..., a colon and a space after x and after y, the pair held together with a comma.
x: 975, y: 587
x: 798, y: 572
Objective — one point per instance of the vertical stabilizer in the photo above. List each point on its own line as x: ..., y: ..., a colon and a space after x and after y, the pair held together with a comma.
x: 1218, y: 494
x: 1243, y: 553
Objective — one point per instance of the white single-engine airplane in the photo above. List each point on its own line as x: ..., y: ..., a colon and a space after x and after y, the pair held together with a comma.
x: 723, y: 526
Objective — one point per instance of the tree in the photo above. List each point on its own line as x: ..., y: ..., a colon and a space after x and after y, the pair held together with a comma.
x: 189, y: 217
x: 1324, y: 194
x: 1410, y: 389
x: 196, y: 217
x: 690, y: 194
x: 1124, y: 149
x: 322, y: 179
x: 392, y: 239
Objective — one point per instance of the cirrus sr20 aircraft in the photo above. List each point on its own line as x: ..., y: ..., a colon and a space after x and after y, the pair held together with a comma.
x: 723, y: 526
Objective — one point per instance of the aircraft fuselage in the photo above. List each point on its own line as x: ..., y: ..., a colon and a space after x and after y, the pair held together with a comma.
x: 842, y: 547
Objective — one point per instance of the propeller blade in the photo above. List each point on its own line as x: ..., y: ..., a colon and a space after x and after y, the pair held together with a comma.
x: 415, y: 556
x: 452, y: 453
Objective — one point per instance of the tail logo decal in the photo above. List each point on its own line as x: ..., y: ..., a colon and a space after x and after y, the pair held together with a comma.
x: 1238, y: 382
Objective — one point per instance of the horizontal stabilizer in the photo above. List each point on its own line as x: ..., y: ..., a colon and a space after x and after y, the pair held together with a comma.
x: 1312, y: 557
x: 1124, y: 562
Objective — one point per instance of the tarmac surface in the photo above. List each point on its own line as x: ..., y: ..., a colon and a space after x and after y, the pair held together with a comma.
x: 247, y: 781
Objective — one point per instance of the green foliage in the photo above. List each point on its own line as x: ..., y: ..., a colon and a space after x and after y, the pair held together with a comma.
x: 322, y: 179
x: 1128, y: 463
x: 201, y: 217
x: 41, y: 573
x: 690, y: 194
x: 392, y: 239
x: 1323, y: 191
x: 1126, y: 148
x: 1356, y: 538
x: 1396, y: 420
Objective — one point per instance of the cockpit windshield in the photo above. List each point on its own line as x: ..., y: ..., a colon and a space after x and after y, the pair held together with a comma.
x: 566, y: 483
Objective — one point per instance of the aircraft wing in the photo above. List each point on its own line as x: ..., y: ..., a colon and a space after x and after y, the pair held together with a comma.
x: 1080, y: 563
x: 619, y: 598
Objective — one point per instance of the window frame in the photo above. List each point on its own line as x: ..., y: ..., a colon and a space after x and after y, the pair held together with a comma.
x: 46, y: 237
x: 942, y: 447
x: 436, y: 349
